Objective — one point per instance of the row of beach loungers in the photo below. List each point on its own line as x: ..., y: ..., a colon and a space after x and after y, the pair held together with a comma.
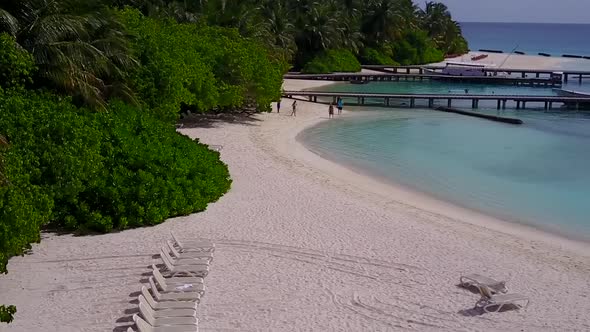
x: 494, y: 294
x: 170, y: 302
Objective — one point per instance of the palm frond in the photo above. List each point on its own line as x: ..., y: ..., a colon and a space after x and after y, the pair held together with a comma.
x: 8, y: 23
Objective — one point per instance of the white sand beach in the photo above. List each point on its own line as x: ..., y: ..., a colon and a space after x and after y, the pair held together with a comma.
x: 307, y: 245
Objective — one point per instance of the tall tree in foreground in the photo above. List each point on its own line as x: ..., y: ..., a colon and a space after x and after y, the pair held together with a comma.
x: 77, y: 46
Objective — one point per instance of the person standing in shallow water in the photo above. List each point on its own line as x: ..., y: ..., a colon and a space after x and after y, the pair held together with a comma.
x: 331, y: 111
x: 294, y: 105
x: 279, y: 106
x: 340, y: 105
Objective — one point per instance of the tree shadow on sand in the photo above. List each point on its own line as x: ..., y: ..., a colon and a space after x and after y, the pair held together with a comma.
x: 214, y: 120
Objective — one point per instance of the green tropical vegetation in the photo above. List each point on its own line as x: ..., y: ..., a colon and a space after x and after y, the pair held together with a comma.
x: 91, y: 90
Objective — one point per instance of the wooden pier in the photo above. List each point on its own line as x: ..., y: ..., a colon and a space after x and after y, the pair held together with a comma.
x: 389, y: 77
x: 523, y: 73
x: 384, y: 99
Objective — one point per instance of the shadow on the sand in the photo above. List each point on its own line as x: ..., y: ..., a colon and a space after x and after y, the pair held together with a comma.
x: 472, y: 288
x: 478, y: 311
x: 213, y: 120
x: 123, y: 328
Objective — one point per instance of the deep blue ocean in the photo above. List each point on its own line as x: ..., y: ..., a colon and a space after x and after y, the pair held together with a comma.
x: 536, y: 174
x: 554, y: 39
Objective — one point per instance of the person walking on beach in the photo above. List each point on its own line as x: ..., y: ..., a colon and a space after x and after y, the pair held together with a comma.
x: 331, y: 111
x: 279, y: 106
x: 294, y: 113
x: 340, y: 105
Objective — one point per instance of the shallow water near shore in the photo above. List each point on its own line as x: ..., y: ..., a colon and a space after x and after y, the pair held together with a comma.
x: 536, y: 174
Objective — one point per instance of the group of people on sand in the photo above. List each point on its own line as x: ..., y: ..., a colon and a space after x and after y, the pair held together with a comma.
x: 339, y: 106
x: 294, y: 106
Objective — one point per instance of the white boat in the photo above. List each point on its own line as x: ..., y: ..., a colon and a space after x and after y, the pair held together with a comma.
x: 470, y: 69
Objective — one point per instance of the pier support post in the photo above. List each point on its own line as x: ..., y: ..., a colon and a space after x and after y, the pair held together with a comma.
x: 362, y: 100
x: 550, y: 105
x: 387, y: 101
x: 580, y: 81
x: 412, y: 102
x: 538, y: 75
x: 523, y: 104
x: 449, y: 102
x: 546, y: 105
x: 517, y: 105
x: 407, y: 70
x: 310, y: 98
x: 504, y: 104
x: 315, y: 99
x: 565, y: 78
x: 498, y: 105
x: 430, y: 103
x: 523, y: 75
x: 333, y: 99
x: 358, y: 100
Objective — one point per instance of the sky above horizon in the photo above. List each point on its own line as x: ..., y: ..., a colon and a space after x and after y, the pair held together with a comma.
x: 522, y: 11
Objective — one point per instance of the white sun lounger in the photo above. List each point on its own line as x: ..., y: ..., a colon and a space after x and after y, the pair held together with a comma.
x: 157, y: 313
x: 166, y: 287
x: 183, y: 261
x: 166, y: 304
x: 193, y: 245
x: 194, y: 270
x: 143, y: 326
x: 203, y: 255
x: 477, y: 280
x: 162, y: 305
x: 174, y: 296
x: 178, y: 280
x: 489, y: 300
x: 148, y: 316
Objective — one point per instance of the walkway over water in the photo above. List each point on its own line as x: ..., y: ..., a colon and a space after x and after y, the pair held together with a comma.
x: 520, y: 101
x: 546, y: 73
x: 360, y: 77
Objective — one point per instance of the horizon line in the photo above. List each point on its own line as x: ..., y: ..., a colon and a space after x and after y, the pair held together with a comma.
x: 506, y: 22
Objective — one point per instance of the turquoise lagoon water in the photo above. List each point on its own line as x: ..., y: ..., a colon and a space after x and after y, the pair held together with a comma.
x: 537, y: 173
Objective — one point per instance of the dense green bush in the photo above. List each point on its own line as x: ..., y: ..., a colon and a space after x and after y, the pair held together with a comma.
x: 16, y: 65
x: 105, y: 171
x: 152, y: 173
x: 333, y: 61
x: 371, y: 56
x: 199, y: 68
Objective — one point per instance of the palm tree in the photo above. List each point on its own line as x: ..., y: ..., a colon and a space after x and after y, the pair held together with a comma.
x: 277, y: 19
x: 321, y: 28
x: 435, y: 20
x: 78, y: 47
x: 383, y: 21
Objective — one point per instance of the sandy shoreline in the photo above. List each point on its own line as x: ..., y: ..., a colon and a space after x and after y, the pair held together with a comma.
x: 307, y: 245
